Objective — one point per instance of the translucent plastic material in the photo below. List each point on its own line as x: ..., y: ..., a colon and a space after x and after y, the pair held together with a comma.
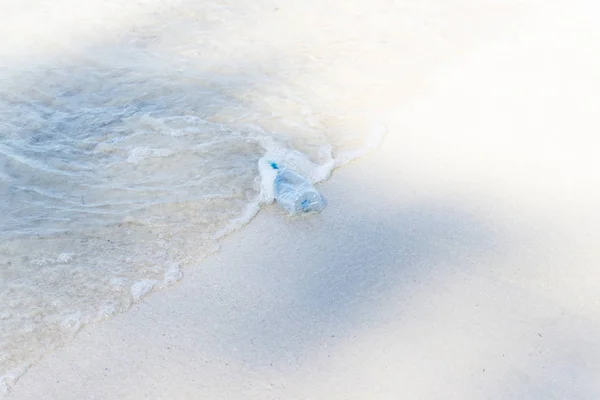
x: 294, y: 193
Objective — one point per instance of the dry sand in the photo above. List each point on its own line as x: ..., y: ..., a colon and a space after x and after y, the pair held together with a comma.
x: 460, y: 261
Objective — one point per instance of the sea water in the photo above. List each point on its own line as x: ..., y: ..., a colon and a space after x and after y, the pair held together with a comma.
x: 133, y: 137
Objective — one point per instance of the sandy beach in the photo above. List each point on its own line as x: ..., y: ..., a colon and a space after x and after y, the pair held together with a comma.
x: 458, y: 261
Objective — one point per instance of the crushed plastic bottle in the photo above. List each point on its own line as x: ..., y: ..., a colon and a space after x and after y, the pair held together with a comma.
x: 294, y: 193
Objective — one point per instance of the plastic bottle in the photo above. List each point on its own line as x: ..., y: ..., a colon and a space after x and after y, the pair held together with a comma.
x: 294, y: 193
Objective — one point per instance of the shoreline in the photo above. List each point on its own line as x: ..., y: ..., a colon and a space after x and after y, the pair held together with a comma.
x: 457, y: 261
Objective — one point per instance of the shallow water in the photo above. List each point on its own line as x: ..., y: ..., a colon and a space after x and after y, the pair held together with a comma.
x: 133, y: 136
x: 122, y: 162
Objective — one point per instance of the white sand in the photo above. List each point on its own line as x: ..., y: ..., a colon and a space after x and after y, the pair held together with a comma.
x: 461, y: 261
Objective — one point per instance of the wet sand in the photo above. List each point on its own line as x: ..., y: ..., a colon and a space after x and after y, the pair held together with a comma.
x: 459, y: 261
